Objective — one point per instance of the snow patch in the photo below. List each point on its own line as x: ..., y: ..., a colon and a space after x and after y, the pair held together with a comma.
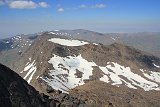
x: 105, y: 79
x: 67, y: 42
x: 156, y: 65
x: 51, y: 33
x: 155, y: 76
x: 37, y: 77
x: 135, y: 79
x: 64, y: 77
x: 95, y: 44
x: 30, y: 69
x: 56, y: 30
x: 113, y: 38
x: 7, y: 41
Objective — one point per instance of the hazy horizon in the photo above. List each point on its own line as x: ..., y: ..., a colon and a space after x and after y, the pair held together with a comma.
x: 106, y: 16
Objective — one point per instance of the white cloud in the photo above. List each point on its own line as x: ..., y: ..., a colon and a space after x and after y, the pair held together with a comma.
x: 100, y: 6
x: 93, y: 6
x: 25, y: 4
x: 83, y: 6
x: 60, y: 10
x: 43, y: 4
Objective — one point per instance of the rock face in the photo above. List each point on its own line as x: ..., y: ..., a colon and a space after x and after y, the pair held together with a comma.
x: 65, y: 100
x: 15, y: 92
x: 100, y: 94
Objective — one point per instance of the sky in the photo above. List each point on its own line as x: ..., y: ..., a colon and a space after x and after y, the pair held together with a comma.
x: 31, y: 16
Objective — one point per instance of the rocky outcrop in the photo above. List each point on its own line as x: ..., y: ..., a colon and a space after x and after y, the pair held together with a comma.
x: 100, y: 94
x: 65, y: 100
x: 15, y: 92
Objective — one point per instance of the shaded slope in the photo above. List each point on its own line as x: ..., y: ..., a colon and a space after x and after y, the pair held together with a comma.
x: 15, y: 92
x: 12, y: 48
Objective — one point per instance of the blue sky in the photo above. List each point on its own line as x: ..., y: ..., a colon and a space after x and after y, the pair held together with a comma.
x: 30, y: 16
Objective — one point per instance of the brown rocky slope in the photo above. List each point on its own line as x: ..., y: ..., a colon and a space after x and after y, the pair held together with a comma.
x: 100, y: 94
x: 117, y: 59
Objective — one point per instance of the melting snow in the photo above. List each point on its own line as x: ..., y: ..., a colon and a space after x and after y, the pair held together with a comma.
x: 135, y: 79
x: 63, y: 75
x: 56, y: 30
x: 105, y: 79
x: 113, y: 38
x: 66, y: 42
x: 37, y: 77
x: 156, y: 65
x: 65, y: 68
x: 155, y: 76
x: 7, y: 41
x: 68, y: 66
x: 95, y: 44
x: 51, y: 33
x: 31, y: 68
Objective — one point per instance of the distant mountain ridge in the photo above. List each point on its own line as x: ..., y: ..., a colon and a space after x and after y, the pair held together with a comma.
x: 61, y: 61
x: 52, y: 62
x: 12, y: 48
x: 146, y: 41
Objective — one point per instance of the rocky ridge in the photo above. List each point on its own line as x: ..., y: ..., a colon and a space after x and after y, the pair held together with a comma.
x: 49, y: 62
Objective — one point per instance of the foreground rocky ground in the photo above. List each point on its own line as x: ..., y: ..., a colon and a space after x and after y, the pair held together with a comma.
x: 100, y: 94
x: 16, y: 92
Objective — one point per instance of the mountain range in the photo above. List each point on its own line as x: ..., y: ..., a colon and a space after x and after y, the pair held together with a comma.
x: 82, y: 63
x: 145, y: 41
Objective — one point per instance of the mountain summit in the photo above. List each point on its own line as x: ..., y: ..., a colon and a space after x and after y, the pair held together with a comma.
x: 64, y: 63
